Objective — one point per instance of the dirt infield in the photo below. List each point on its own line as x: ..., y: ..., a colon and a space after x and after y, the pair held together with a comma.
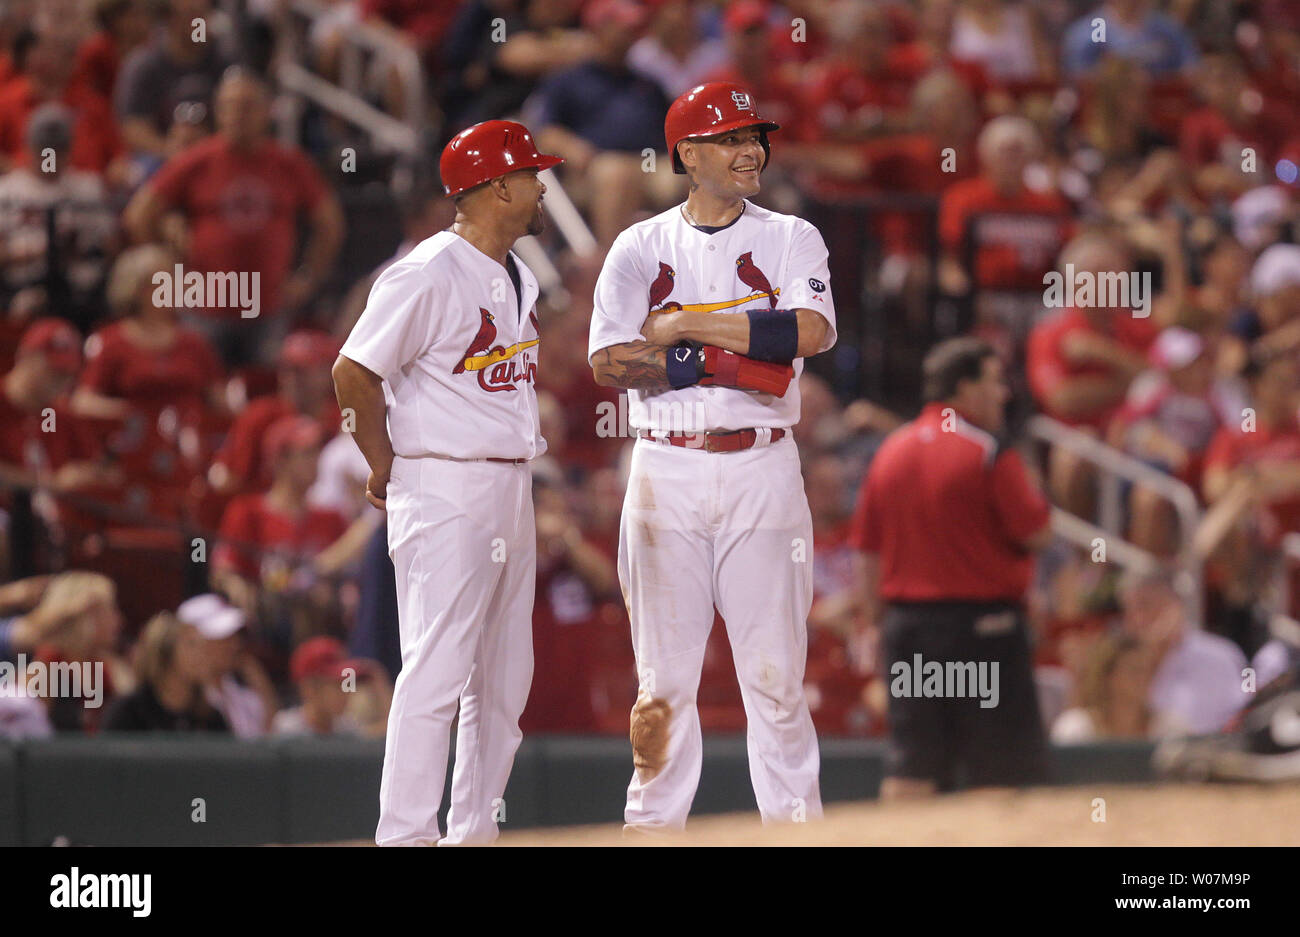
x: 1165, y: 815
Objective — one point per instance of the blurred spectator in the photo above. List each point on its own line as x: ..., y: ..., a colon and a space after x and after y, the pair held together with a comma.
x: 1252, y: 482
x: 272, y: 559
x: 236, y: 685
x: 1168, y: 420
x: 303, y: 387
x: 1009, y: 253
x: 87, y: 604
x: 1196, y: 684
x: 853, y: 94
x: 490, y: 78
x: 415, y: 23
x: 749, y: 47
x: 72, y: 268
x: 170, y: 64
x: 574, y: 580
x: 674, y: 52
x: 1133, y: 29
x: 48, y: 78
x: 148, y: 382
x: 318, y: 669
x: 1272, y: 326
x: 602, y: 117
x: 1081, y: 361
x: 1213, y: 139
x: 1003, y: 38
x: 123, y: 25
x: 1112, y: 698
x: 172, y: 667
x: 21, y: 628
x: 841, y: 648
x: 231, y: 203
x: 33, y: 399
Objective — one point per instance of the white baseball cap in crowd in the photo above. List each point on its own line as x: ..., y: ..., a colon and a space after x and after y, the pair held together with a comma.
x: 1276, y: 269
x: 212, y: 615
x: 1256, y: 214
x: 1176, y: 347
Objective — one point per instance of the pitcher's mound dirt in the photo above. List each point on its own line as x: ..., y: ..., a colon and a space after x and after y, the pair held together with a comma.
x: 1161, y: 815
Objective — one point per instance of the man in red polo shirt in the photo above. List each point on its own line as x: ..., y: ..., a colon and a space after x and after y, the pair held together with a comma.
x: 947, y: 520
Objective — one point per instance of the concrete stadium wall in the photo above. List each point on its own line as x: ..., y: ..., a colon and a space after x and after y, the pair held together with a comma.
x: 142, y: 790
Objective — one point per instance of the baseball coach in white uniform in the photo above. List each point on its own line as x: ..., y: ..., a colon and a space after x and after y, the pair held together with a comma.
x: 704, y: 313
x: 440, y: 372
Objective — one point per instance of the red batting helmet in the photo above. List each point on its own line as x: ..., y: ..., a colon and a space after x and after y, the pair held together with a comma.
x: 711, y: 109
x: 487, y: 150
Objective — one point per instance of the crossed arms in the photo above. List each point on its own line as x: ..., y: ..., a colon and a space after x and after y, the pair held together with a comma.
x: 641, y: 365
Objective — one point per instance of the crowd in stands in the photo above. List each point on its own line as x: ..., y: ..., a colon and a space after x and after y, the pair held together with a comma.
x: 146, y: 437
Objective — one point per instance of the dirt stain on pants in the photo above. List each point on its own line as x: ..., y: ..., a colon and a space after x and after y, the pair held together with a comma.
x: 650, y: 718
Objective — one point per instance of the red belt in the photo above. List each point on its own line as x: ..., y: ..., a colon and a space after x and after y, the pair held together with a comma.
x: 734, y: 440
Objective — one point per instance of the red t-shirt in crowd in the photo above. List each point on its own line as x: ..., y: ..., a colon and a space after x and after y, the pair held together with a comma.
x: 1232, y: 448
x: 1047, y: 368
x: 254, y: 536
x: 98, y: 60
x: 242, y: 209
x: 1206, y: 136
x: 947, y: 511
x: 160, y: 440
x: 840, y: 95
x: 95, y: 138
x: 241, y: 453
x: 1011, y: 253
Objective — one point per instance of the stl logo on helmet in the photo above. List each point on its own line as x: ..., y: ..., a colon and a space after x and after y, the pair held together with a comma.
x: 742, y: 101
x: 497, y: 367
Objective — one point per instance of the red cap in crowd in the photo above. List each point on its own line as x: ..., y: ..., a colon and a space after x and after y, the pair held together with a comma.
x: 309, y: 348
x: 57, y: 340
x: 745, y: 14
x: 318, y: 657
x: 291, y: 433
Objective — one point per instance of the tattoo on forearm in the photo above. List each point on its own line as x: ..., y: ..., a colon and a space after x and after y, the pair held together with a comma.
x: 635, y: 365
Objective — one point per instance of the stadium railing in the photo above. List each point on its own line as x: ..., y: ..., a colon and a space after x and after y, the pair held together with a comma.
x: 362, y: 46
x: 1114, y: 468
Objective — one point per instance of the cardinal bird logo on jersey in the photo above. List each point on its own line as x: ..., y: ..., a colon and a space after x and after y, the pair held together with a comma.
x: 662, y: 286
x: 496, y: 366
x: 752, y: 277
x: 487, y: 334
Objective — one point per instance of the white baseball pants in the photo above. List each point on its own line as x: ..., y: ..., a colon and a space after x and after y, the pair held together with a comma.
x: 731, y: 529
x: 462, y: 540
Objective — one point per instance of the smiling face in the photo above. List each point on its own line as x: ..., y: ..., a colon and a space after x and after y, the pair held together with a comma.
x: 727, y: 165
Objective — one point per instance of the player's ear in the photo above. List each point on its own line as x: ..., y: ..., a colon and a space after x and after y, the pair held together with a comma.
x: 685, y: 147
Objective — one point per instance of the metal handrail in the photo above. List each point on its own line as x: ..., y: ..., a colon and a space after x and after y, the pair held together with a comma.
x: 362, y: 39
x: 1115, y: 467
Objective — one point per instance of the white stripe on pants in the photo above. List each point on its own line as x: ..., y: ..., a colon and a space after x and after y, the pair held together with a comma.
x: 462, y: 540
x: 731, y: 529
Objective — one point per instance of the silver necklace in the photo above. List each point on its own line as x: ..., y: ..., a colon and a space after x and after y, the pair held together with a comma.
x: 690, y: 216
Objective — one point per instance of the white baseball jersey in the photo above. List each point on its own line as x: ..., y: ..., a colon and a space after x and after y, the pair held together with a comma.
x: 762, y: 259
x: 457, y: 352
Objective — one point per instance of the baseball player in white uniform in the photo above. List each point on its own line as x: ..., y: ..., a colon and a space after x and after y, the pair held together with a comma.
x: 704, y: 313
x: 440, y: 372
